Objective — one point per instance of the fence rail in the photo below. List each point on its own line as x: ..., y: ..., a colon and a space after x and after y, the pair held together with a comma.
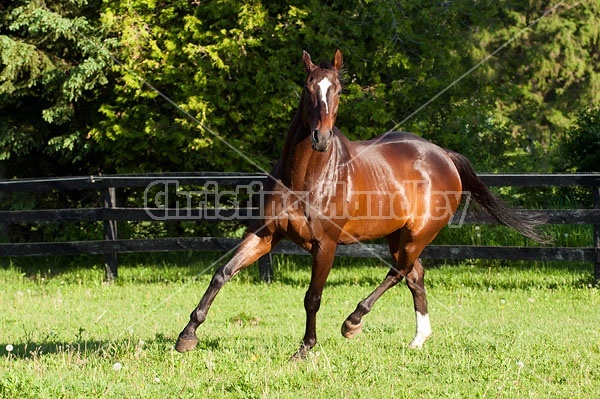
x: 110, y: 214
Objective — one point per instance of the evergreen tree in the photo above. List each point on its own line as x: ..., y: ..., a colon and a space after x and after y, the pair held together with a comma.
x: 545, y: 76
x: 234, y: 67
x: 54, y: 66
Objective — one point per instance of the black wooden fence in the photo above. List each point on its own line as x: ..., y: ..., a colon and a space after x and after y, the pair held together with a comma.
x: 110, y: 214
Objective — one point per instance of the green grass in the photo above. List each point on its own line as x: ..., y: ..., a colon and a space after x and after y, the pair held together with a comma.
x: 501, y: 329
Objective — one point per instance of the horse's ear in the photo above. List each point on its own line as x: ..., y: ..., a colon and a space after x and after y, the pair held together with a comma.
x: 308, y: 65
x: 338, y: 61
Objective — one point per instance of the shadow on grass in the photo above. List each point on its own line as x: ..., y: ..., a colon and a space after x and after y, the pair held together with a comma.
x: 30, y: 350
x: 294, y: 270
x: 103, y: 348
x: 49, y: 267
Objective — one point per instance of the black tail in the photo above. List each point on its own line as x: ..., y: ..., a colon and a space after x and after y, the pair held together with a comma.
x: 524, y: 223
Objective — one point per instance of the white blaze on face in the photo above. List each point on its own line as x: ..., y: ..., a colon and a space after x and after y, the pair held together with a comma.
x: 323, y: 87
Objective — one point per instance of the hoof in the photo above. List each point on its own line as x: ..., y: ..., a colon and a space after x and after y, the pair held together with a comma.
x: 349, y: 330
x: 418, y: 341
x: 186, y: 344
x: 301, y: 354
x: 415, y: 345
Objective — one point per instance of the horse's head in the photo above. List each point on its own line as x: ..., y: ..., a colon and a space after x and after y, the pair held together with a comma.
x: 320, y: 99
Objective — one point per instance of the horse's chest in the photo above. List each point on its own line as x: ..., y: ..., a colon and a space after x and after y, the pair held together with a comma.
x: 305, y: 217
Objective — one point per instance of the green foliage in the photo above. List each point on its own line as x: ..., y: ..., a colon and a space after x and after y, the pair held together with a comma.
x: 580, y: 151
x: 90, y: 86
x: 545, y: 76
x: 233, y: 69
x: 234, y: 66
x: 54, y: 64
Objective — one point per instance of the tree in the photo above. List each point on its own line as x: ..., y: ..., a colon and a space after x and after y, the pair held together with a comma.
x: 580, y: 151
x: 53, y: 67
x: 544, y: 77
x: 235, y: 66
x: 231, y: 73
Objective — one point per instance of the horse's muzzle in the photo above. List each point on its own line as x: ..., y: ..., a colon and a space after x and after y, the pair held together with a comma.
x: 320, y: 141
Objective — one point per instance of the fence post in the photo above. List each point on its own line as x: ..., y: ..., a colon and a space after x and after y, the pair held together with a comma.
x: 596, y: 197
x: 110, y: 233
x: 4, y: 227
x: 265, y: 267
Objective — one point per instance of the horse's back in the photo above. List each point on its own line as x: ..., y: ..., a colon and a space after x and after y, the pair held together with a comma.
x: 406, y: 156
x: 394, y: 137
x: 402, y: 142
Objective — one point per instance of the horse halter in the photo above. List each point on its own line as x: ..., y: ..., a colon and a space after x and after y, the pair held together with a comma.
x: 320, y: 99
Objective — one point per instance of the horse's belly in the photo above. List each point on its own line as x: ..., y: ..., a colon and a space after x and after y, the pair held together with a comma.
x: 365, y: 229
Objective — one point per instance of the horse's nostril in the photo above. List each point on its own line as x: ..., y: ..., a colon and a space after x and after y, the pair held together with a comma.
x: 315, y: 136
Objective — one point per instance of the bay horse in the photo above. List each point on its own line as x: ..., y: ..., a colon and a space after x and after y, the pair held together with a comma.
x: 327, y: 190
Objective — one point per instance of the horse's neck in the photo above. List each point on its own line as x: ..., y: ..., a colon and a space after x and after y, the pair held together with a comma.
x: 295, y: 156
x: 301, y: 165
x: 294, y: 135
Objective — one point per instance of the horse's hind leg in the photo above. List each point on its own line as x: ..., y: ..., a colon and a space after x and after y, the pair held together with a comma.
x: 251, y: 248
x: 416, y: 284
x: 353, y: 324
x: 407, y: 265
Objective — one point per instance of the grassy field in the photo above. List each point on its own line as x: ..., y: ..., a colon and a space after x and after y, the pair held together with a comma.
x: 507, y: 330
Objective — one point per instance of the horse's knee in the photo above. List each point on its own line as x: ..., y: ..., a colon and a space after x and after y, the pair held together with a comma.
x: 219, y: 279
x: 312, y: 302
x: 416, y: 284
x: 416, y: 278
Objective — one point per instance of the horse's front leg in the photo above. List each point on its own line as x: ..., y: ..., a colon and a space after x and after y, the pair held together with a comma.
x: 323, y: 256
x: 251, y: 248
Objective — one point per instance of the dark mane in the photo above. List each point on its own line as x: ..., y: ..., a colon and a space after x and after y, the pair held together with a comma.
x: 326, y: 65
